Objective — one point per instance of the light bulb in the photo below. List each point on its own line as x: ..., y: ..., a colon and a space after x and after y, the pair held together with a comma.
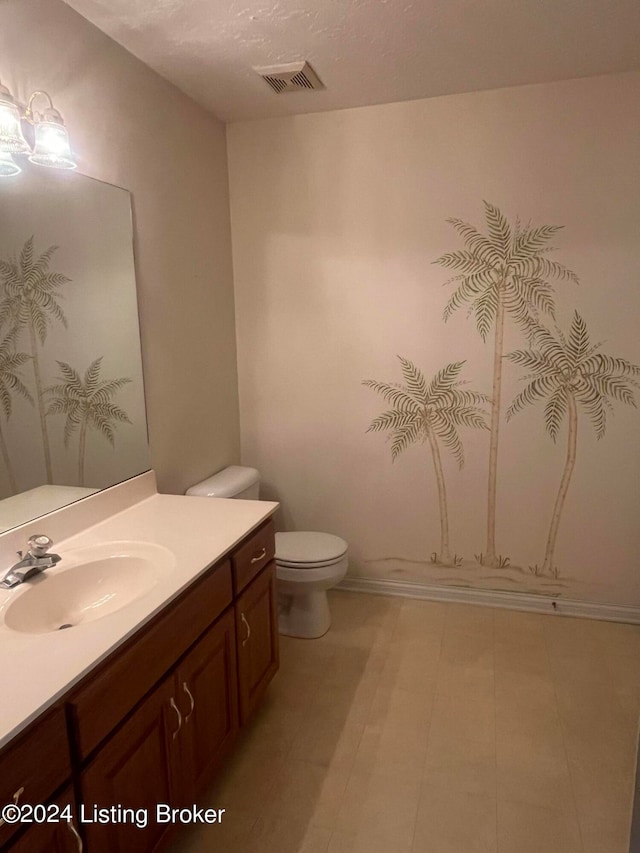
x: 52, y: 146
x: 11, y: 139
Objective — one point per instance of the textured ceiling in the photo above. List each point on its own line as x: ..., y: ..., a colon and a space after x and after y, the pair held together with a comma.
x: 367, y: 51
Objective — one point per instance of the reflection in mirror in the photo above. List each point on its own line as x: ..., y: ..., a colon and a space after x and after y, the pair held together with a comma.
x: 72, y: 413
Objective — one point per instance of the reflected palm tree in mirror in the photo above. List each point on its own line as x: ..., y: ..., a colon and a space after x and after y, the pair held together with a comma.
x: 10, y: 382
x: 29, y: 301
x: 430, y: 412
x: 572, y: 375
x: 86, y: 401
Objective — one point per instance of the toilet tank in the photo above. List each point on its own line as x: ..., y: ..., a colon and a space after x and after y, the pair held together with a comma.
x: 236, y: 481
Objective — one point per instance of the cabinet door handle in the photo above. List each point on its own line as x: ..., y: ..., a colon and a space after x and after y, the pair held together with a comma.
x: 248, y: 627
x: 175, y: 708
x: 16, y: 796
x: 76, y: 835
x: 191, y: 699
x: 259, y: 556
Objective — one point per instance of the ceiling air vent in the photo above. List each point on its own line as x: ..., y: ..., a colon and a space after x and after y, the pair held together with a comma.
x: 293, y: 77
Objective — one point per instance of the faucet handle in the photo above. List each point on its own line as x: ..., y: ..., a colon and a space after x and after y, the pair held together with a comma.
x: 39, y: 544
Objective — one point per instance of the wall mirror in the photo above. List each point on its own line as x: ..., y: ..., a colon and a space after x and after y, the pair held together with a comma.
x: 72, y: 410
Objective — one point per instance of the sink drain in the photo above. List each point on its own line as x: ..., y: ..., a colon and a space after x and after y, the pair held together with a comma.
x: 66, y: 625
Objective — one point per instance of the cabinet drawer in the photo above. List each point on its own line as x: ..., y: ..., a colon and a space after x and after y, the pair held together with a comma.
x: 38, y: 762
x: 110, y: 692
x: 251, y: 557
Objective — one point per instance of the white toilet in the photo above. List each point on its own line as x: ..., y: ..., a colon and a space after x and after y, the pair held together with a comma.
x: 307, y: 563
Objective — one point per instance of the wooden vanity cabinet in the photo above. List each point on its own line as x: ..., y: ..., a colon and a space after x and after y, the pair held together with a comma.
x: 153, y: 722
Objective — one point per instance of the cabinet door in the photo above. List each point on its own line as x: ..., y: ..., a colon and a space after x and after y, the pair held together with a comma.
x: 133, y: 771
x: 206, y: 682
x: 257, y: 639
x: 62, y: 837
x: 33, y: 766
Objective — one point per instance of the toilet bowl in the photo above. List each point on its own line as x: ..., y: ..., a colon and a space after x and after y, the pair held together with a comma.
x: 308, y: 563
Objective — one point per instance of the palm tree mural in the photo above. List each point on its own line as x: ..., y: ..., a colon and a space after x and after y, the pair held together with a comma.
x: 505, y: 272
x: 30, y: 293
x: 433, y: 413
x: 10, y: 382
x: 86, y: 401
x: 571, y: 374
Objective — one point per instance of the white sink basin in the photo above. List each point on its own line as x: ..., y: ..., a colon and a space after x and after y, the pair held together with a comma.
x: 87, y: 585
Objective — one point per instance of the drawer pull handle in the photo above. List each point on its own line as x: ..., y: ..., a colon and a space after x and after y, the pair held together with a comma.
x: 259, y: 556
x: 75, y: 834
x: 191, y: 699
x: 248, y: 627
x: 16, y: 796
x: 175, y: 708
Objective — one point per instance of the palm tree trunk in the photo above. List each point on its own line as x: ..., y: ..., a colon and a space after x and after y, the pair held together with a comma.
x: 494, y: 430
x: 81, y: 451
x: 13, y: 486
x: 40, y: 396
x: 572, y: 441
x: 445, y: 555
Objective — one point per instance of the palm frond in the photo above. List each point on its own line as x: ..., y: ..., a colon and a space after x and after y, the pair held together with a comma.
x: 464, y: 261
x: 499, y: 229
x: 476, y: 242
x: 535, y: 293
x: 468, y: 416
x: 578, y: 343
x: 528, y: 242
x: 92, y: 376
x: 608, y: 365
x: 531, y: 393
x: 485, y: 309
x: 532, y: 360
x: 26, y: 256
x: 443, y: 381
x: 464, y: 397
x: 393, y: 394
x: 555, y: 410
x: 404, y: 436
x: 415, y: 380
x: 392, y: 419
x: 553, y: 351
x: 106, y: 390
x: 611, y: 386
x: 445, y: 429
x: 470, y: 288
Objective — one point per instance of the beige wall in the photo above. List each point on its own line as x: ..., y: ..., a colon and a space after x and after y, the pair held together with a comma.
x: 337, y: 219
x: 131, y: 128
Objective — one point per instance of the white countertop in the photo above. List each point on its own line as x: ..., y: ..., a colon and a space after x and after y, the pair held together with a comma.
x: 39, y: 668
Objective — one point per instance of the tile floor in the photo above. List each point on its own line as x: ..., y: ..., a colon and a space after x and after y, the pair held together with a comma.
x: 422, y: 727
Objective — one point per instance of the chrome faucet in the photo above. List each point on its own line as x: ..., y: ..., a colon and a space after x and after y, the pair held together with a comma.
x: 36, y: 560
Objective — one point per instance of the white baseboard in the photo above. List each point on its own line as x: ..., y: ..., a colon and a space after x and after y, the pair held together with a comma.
x: 495, y: 598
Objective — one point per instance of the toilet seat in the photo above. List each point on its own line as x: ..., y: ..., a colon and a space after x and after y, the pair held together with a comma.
x: 309, y: 549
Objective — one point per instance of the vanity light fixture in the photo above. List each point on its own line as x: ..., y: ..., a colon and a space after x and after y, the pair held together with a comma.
x: 8, y: 166
x: 51, y: 140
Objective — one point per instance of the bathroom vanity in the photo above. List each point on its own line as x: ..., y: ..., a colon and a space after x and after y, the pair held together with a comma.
x: 145, y: 703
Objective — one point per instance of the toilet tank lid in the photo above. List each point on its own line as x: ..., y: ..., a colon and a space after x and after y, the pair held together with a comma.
x: 226, y: 483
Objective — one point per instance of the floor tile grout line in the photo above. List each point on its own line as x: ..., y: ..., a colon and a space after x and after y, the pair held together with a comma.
x: 495, y: 734
x: 564, y: 740
x: 428, y: 736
